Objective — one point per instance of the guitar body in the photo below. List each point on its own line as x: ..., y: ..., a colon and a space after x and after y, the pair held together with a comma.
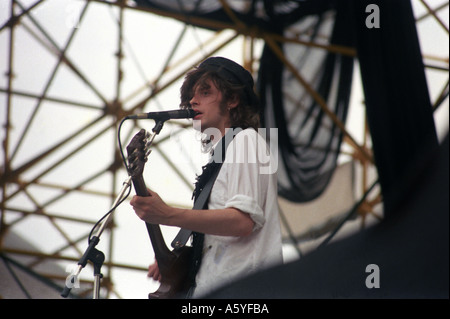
x: 174, y: 273
x: 173, y: 264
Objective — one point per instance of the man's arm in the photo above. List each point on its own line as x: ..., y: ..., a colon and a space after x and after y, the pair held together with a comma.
x: 221, y: 222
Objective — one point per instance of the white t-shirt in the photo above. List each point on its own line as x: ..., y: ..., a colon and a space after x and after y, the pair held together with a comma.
x: 245, y: 182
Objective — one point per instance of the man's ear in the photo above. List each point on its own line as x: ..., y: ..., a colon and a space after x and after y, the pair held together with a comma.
x: 233, y: 102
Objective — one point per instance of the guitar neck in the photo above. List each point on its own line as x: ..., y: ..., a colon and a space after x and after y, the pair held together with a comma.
x: 173, y: 265
x: 159, y: 246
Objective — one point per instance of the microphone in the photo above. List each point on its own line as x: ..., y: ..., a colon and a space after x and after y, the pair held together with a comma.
x: 165, y: 115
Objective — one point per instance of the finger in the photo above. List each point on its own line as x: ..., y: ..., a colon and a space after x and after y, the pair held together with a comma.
x: 152, y: 268
x: 151, y: 271
x: 154, y: 274
x: 136, y: 200
x: 157, y: 276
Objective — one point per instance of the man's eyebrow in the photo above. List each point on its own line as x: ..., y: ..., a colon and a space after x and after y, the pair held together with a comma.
x: 204, y: 86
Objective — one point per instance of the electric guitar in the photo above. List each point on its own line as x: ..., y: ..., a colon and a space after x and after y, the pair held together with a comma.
x: 173, y: 264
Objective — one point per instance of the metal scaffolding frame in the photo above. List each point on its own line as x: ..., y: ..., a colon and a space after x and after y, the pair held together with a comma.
x: 19, y: 179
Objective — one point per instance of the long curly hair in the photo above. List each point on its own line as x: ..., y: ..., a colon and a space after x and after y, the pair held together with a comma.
x: 244, y: 115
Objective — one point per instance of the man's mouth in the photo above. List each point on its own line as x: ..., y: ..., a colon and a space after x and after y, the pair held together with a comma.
x: 197, y: 115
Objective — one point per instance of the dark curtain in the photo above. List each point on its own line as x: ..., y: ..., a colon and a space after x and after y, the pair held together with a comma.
x: 398, y: 106
x: 309, y: 141
x: 265, y: 14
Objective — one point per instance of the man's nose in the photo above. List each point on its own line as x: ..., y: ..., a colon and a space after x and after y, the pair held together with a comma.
x: 193, y: 101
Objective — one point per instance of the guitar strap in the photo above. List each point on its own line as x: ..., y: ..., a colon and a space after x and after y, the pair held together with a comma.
x: 201, y: 193
x: 201, y: 203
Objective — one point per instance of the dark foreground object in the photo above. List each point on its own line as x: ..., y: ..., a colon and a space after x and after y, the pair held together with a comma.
x: 410, y: 248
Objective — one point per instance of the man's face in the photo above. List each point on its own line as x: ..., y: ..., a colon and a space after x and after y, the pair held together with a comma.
x: 207, y: 101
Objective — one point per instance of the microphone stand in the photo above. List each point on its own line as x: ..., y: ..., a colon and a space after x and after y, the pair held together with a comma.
x: 93, y: 254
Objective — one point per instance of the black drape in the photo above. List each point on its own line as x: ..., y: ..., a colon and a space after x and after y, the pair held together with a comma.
x: 308, y: 140
x: 397, y: 101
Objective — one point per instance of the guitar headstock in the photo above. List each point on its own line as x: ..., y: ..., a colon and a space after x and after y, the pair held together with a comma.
x: 138, y: 152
